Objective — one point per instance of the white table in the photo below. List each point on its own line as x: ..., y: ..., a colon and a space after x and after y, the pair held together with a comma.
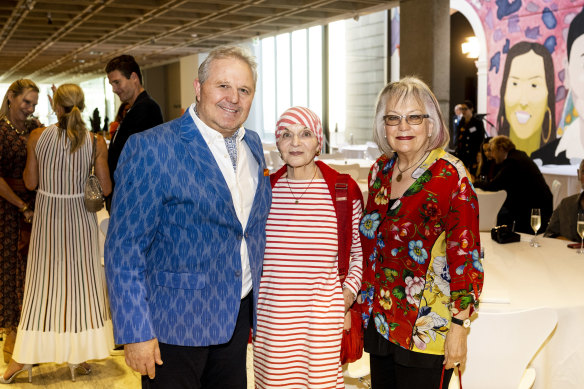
x: 354, y: 151
x: 518, y: 276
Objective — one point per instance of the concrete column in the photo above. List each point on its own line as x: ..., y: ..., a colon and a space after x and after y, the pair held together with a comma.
x: 425, y: 45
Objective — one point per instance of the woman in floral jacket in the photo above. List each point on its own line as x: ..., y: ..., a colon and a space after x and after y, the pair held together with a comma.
x: 420, y: 234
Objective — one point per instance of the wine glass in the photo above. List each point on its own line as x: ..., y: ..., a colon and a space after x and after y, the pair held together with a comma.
x: 535, y: 224
x: 580, y: 228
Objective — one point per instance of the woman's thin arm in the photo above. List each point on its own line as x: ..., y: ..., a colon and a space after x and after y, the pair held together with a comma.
x: 101, y: 167
x: 31, y: 170
x: 8, y: 194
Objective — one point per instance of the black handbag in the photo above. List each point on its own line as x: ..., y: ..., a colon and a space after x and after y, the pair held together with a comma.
x: 504, y: 234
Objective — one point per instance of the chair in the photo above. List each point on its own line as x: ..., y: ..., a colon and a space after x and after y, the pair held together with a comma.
x: 358, y: 371
x: 489, y: 205
x: 556, y: 186
x: 275, y: 160
x: 501, y: 346
x: 351, y: 169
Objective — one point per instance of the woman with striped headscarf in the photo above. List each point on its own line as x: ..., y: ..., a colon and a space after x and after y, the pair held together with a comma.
x: 308, y: 282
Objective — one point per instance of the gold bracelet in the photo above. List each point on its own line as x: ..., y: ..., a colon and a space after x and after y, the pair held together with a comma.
x: 24, y: 209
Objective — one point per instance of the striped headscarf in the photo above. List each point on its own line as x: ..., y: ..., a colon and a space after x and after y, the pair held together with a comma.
x: 300, y: 115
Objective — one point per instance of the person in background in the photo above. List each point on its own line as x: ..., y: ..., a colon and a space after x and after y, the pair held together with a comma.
x: 113, y: 126
x: 186, y: 239
x: 526, y: 188
x: 471, y: 134
x: 16, y: 202
x: 564, y: 219
x: 65, y: 313
x: 125, y: 77
x: 420, y: 234
x: 456, y: 120
x: 486, y: 167
x: 298, y: 338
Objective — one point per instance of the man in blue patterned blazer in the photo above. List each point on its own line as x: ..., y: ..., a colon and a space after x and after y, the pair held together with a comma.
x: 187, y: 234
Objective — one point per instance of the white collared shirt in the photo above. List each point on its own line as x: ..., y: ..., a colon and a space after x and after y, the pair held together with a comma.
x: 242, y: 183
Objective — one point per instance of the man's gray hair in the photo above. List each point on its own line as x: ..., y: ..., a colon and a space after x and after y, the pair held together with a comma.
x: 222, y: 52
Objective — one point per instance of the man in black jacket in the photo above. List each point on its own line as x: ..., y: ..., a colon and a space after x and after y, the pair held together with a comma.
x: 526, y: 188
x: 471, y: 134
x: 125, y: 77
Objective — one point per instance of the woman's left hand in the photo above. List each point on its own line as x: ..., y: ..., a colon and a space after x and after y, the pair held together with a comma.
x: 349, y: 298
x: 455, y: 346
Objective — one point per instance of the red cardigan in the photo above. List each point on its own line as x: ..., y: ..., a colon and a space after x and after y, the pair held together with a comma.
x: 343, y: 190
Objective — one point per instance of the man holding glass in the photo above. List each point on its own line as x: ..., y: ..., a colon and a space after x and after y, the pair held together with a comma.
x: 563, y: 223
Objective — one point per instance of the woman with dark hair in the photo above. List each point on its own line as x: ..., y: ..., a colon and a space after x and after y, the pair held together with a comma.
x: 16, y: 202
x: 65, y: 311
x: 527, y: 110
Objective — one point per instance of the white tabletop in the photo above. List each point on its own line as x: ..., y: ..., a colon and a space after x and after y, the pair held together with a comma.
x: 518, y: 276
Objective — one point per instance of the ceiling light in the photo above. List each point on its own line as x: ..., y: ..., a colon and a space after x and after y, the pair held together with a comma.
x: 470, y: 47
x: 194, y: 35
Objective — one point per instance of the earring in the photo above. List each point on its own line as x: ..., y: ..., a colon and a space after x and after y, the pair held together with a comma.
x: 317, y: 152
x: 429, y: 135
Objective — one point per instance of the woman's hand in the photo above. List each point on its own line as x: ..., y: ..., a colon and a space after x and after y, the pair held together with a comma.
x: 28, y: 214
x: 455, y: 346
x: 349, y: 298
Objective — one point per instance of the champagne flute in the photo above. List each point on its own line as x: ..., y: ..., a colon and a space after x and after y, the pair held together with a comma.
x: 535, y: 224
x: 580, y: 228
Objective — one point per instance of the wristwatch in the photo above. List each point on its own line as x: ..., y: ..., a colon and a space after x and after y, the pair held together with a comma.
x: 464, y: 323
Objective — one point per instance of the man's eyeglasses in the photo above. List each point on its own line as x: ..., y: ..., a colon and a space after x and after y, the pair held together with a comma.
x: 413, y: 119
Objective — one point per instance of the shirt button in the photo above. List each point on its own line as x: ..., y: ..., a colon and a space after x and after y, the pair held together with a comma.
x: 246, y: 235
x: 239, y: 237
x: 237, y: 273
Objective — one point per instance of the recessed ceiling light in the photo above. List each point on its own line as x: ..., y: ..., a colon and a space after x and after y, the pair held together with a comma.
x: 194, y: 35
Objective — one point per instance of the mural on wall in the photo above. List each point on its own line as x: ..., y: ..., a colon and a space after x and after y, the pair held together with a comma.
x: 535, y: 88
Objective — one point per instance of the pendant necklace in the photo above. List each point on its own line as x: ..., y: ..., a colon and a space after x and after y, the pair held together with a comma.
x: 399, y: 176
x: 296, y: 200
x: 19, y: 132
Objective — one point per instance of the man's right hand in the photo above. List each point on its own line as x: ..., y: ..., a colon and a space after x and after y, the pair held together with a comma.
x: 142, y: 356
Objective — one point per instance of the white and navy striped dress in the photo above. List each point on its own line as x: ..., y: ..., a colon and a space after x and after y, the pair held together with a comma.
x: 301, y: 306
x: 65, y: 314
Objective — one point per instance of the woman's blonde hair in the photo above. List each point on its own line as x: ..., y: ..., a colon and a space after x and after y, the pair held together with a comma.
x: 71, y: 99
x: 403, y: 90
x: 17, y: 88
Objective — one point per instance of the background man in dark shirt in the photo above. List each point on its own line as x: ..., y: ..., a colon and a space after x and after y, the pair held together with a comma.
x: 125, y: 77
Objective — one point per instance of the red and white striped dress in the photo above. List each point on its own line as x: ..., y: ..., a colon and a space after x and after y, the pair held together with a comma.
x: 301, y: 306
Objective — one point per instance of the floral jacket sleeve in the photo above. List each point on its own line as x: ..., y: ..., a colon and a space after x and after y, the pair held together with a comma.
x: 421, y: 256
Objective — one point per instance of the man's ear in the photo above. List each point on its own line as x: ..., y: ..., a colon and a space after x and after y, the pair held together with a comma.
x: 134, y: 77
x: 197, y: 86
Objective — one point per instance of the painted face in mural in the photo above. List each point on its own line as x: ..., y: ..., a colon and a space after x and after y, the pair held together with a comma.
x: 575, y: 74
x: 526, y: 96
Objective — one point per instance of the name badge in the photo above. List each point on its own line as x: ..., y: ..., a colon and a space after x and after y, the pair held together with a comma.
x: 472, y: 129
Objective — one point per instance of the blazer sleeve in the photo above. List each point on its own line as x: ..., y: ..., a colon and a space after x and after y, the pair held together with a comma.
x: 134, y: 219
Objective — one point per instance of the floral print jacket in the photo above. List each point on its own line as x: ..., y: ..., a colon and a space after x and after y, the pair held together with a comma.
x: 421, y: 256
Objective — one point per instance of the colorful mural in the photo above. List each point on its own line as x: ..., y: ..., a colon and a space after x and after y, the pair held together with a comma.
x: 528, y: 91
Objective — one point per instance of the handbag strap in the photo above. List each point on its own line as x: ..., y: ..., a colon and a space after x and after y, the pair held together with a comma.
x: 459, y: 377
x: 93, y: 153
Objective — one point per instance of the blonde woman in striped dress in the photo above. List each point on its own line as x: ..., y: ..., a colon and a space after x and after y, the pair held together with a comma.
x: 65, y: 314
x: 302, y: 298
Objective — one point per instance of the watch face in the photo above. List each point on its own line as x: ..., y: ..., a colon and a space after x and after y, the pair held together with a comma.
x: 466, y: 323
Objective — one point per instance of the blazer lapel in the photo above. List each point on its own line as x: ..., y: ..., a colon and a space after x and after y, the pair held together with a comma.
x: 205, y: 164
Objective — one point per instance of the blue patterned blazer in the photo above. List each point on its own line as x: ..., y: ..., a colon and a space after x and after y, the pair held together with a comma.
x: 172, y: 253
